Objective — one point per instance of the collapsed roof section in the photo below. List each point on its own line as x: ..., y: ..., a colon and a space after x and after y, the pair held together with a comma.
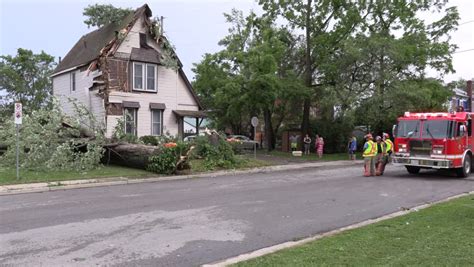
x: 103, y: 40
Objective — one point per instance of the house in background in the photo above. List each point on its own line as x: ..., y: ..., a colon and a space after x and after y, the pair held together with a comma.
x: 462, y: 98
x: 119, y: 72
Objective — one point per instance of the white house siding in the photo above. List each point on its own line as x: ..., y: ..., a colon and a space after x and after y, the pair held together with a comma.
x: 133, y: 38
x: 172, y: 91
x: 111, y: 123
x: 62, y: 89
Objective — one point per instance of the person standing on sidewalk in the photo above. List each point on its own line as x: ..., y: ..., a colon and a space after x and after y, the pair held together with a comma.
x: 307, y: 143
x: 369, y: 153
x: 352, y: 147
x: 320, y: 147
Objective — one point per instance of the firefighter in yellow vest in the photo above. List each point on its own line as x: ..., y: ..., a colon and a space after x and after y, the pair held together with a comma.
x: 389, y: 144
x: 369, y: 153
x: 381, y: 156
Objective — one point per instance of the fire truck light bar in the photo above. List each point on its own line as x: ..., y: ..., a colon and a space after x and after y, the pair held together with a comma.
x: 425, y: 115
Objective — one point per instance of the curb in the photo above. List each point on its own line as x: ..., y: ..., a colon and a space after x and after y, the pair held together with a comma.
x: 291, y: 244
x: 99, y: 182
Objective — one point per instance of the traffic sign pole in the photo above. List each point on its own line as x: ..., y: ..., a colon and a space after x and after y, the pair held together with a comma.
x: 18, y: 114
x: 254, y: 122
x: 18, y: 151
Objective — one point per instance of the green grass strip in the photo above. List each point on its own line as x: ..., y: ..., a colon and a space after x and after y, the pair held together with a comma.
x: 441, y: 235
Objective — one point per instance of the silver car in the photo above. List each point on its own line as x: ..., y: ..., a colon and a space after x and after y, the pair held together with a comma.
x: 246, y: 143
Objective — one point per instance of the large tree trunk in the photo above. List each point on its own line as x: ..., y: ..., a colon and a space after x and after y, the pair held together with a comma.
x: 308, y: 72
x: 130, y: 155
x: 269, y: 134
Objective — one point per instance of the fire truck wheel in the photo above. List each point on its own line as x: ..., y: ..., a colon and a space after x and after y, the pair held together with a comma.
x: 466, y: 167
x: 413, y: 169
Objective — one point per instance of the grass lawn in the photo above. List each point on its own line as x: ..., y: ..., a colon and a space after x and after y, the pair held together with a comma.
x: 197, y: 165
x: 442, y: 235
x: 310, y: 157
x: 8, y: 175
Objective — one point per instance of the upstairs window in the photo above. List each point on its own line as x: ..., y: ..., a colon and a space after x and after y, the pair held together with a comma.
x: 138, y: 76
x: 73, y: 81
x: 144, y: 77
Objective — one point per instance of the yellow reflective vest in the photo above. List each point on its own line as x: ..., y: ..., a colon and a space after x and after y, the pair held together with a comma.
x: 371, y: 149
x: 389, y: 144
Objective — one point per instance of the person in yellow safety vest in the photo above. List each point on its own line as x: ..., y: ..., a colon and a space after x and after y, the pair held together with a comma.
x: 389, y: 150
x: 381, y: 154
x: 369, y: 153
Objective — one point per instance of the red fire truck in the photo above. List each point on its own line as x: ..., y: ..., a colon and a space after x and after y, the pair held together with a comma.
x: 434, y: 141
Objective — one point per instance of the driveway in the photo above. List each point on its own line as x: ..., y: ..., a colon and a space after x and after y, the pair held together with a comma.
x: 197, y: 221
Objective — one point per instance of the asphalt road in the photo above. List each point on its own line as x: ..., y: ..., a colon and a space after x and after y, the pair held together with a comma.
x: 192, y: 222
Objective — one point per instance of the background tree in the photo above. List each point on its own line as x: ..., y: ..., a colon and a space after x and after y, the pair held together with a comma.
x: 25, y: 78
x: 325, y: 24
x: 250, y: 76
x: 391, y: 55
x: 99, y: 15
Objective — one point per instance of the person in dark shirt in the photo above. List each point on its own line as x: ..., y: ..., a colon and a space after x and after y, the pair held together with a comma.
x: 381, y: 153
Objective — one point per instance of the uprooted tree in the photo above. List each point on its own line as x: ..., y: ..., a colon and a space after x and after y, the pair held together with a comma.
x: 49, y: 140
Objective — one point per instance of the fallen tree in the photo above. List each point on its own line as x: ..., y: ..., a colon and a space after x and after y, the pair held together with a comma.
x: 130, y: 155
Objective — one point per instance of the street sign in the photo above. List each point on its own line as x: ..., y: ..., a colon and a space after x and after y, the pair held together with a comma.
x: 254, y: 121
x: 18, y: 113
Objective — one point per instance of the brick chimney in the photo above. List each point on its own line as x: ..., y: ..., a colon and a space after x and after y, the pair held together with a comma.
x: 469, y: 95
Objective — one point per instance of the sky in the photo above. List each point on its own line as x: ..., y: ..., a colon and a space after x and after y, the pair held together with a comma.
x: 193, y: 26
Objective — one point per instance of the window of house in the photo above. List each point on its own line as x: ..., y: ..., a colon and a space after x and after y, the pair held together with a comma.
x: 144, y: 77
x: 156, y: 122
x: 130, y: 119
x: 138, y: 76
x: 73, y: 81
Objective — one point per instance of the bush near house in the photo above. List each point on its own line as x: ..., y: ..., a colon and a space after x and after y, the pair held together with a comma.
x: 172, y: 157
x: 217, y: 153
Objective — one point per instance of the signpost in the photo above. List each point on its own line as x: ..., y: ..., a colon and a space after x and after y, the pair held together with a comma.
x: 18, y: 120
x: 254, y: 122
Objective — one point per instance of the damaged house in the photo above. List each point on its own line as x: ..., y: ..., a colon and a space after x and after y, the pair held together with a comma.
x: 122, y: 71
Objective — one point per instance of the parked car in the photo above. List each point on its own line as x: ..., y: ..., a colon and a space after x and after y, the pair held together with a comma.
x: 245, y: 142
x: 191, y: 138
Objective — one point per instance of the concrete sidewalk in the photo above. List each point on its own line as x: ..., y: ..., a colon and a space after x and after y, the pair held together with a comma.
x: 85, y: 183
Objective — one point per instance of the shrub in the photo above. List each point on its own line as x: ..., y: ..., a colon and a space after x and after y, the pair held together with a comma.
x: 165, y: 162
x: 219, y: 155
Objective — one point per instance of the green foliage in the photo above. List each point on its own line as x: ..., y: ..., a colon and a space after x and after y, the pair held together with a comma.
x: 149, y: 140
x: 335, y: 134
x: 218, y: 155
x: 166, y: 161
x: 120, y: 135
x: 45, y: 143
x: 355, y: 61
x: 99, y: 15
x: 246, y: 78
x: 25, y: 79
